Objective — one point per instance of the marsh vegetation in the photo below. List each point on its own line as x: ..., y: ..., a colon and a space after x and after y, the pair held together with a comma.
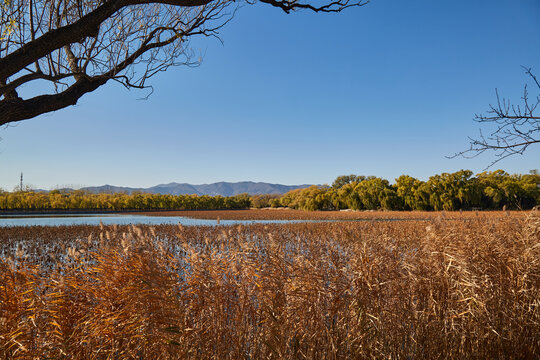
x: 445, y: 287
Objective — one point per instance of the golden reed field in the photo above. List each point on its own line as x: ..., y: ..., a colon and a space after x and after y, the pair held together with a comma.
x: 290, y: 214
x: 450, y: 286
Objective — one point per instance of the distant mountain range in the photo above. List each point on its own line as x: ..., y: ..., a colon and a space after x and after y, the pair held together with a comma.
x: 219, y: 188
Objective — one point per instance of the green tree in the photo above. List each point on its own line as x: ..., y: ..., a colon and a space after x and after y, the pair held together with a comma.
x: 454, y: 191
x: 370, y: 192
x: 343, y: 180
x: 409, y: 190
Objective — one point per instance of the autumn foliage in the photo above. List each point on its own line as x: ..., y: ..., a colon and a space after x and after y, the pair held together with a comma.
x: 448, y: 191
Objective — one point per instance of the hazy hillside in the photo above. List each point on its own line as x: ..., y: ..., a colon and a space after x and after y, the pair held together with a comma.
x: 220, y: 188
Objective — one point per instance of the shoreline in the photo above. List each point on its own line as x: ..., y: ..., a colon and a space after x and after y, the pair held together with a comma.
x: 281, y: 214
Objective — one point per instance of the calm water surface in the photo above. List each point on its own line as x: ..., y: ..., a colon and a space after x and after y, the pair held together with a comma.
x: 110, y: 219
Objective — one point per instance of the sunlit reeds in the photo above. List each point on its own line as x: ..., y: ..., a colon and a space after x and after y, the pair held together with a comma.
x: 440, y: 288
x: 290, y: 214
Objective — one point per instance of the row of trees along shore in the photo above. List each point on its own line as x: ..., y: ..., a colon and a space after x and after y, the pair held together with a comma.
x: 448, y: 191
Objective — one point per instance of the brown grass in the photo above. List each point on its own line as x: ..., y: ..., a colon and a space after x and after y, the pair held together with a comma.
x: 440, y: 288
x: 290, y: 214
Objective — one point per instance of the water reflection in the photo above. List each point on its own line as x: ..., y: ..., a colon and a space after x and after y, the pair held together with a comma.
x: 77, y: 219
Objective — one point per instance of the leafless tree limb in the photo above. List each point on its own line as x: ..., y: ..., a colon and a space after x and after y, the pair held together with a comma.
x: 76, y: 46
x: 513, y: 127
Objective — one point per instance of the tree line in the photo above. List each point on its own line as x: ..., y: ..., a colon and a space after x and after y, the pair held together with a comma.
x: 447, y: 191
x: 461, y: 190
x: 83, y: 200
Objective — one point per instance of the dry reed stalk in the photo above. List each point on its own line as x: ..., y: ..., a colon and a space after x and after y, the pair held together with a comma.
x: 442, y: 288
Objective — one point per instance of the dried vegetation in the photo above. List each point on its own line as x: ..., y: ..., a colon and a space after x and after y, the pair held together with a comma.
x: 439, y: 288
x: 291, y: 214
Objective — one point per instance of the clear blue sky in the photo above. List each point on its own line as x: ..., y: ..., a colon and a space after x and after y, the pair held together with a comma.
x: 386, y: 89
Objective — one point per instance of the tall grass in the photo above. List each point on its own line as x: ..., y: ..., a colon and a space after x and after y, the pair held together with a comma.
x: 452, y: 289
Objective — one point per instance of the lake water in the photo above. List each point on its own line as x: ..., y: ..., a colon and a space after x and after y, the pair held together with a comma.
x: 94, y: 219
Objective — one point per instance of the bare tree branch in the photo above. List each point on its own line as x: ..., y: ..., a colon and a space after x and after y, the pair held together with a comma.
x: 86, y: 26
x: 76, y: 46
x: 26, y: 109
x: 513, y: 127
x: 334, y: 6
